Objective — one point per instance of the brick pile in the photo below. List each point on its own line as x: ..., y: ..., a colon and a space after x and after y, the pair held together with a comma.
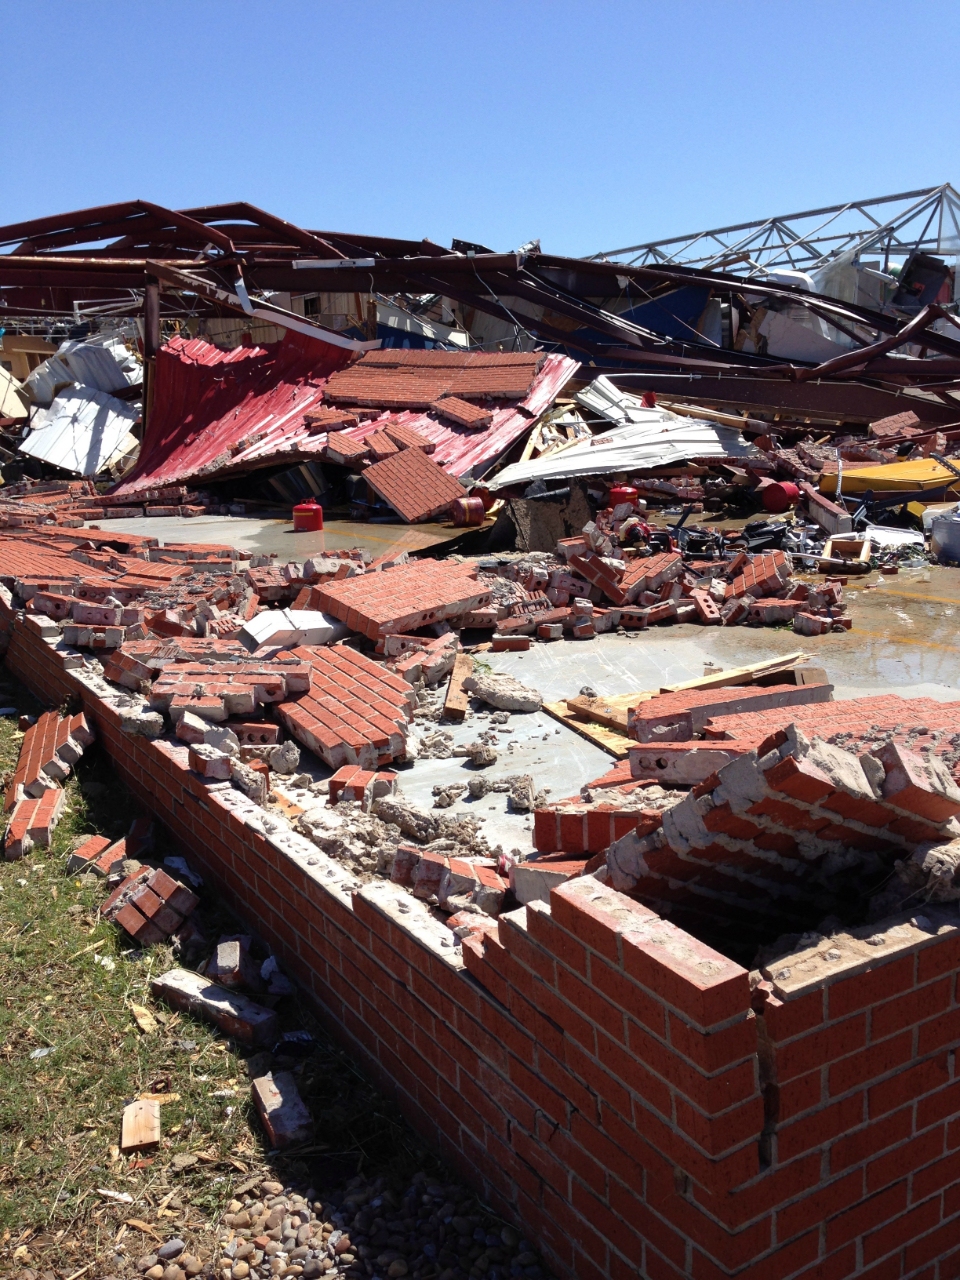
x: 415, y: 486
x: 788, y: 834
x: 35, y: 798
x: 229, y: 687
x: 678, y: 717
x: 355, y: 713
x: 403, y: 379
x: 68, y: 504
x: 405, y: 598
x: 49, y: 750
x: 638, y: 1099
x: 150, y: 905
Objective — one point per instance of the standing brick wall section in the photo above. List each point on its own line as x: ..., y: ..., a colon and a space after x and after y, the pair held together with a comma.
x: 609, y: 1081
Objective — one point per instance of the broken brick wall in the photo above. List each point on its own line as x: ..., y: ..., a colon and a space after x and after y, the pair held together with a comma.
x: 612, y: 1082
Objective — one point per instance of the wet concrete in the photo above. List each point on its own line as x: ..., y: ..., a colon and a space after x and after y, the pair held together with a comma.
x: 261, y: 536
x: 904, y: 640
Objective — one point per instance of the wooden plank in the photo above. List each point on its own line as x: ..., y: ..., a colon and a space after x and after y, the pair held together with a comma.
x: 599, y: 711
x: 737, y: 675
x: 457, y: 701
x: 141, y: 1125
x: 616, y: 744
x: 611, y: 711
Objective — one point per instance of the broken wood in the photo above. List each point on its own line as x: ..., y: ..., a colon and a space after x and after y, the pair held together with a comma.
x: 141, y: 1125
x: 616, y: 744
x: 457, y: 701
x: 738, y: 675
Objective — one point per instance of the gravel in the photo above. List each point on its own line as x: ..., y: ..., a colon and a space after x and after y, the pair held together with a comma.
x: 422, y: 1229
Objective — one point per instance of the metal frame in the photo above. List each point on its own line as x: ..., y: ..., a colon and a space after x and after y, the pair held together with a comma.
x: 924, y: 221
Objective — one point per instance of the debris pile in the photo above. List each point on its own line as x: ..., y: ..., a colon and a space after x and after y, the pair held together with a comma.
x: 34, y: 799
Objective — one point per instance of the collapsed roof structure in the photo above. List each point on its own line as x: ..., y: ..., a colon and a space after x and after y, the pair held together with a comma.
x: 772, y: 342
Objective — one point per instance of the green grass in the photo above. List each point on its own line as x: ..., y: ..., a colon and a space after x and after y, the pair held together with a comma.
x: 60, y: 1115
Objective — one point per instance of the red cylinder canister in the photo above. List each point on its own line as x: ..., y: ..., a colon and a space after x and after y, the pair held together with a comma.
x: 307, y: 517
x: 469, y: 512
x: 621, y: 493
x: 780, y: 496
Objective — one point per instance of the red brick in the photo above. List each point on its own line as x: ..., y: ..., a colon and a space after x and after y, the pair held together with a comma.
x: 865, y: 1215
x: 819, y: 1127
x: 940, y: 1030
x: 825, y: 1202
x: 850, y: 994
x: 819, y: 1047
x: 907, y: 1010
x: 910, y: 1155
x: 936, y: 1176
x: 908, y: 1085
x: 671, y: 964
x: 901, y: 1230
x: 871, y: 1062
x: 853, y: 1148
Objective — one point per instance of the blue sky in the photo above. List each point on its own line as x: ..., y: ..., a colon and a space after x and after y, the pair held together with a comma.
x: 590, y: 125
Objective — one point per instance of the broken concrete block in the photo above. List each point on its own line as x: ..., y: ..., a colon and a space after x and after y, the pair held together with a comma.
x: 503, y: 692
x: 532, y: 880
x: 287, y: 628
x: 141, y: 721
x: 233, y: 1013
x: 282, y: 1111
x: 284, y: 758
x: 232, y: 964
x: 210, y: 763
x: 252, y: 781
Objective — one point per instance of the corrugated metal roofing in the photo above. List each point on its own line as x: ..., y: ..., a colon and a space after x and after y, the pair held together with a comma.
x: 81, y: 431
x: 213, y: 408
x: 210, y: 419
x: 644, y: 437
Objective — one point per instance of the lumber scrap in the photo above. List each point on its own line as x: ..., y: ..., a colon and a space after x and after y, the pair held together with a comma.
x: 738, y: 675
x: 616, y: 744
x: 141, y: 1125
x: 457, y: 701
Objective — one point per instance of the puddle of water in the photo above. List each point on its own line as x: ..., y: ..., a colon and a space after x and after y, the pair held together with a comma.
x: 247, y: 533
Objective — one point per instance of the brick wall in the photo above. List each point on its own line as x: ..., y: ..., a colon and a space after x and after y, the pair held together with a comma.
x: 608, y: 1080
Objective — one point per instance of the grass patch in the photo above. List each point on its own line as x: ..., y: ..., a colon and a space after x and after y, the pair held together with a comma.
x: 67, y: 983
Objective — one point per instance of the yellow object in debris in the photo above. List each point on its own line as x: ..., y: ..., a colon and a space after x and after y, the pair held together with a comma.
x: 922, y: 473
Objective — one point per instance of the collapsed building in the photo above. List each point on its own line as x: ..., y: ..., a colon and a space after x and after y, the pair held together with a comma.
x: 705, y: 1023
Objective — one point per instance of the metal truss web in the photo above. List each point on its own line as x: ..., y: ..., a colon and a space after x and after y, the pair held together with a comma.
x: 888, y: 228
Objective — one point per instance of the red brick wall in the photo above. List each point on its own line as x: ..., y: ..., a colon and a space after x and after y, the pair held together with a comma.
x: 602, y: 1074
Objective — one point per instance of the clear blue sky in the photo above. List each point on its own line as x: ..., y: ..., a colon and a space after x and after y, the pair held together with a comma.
x: 590, y: 125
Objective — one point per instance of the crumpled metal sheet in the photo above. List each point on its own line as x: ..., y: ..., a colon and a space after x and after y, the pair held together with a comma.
x: 81, y: 430
x: 643, y: 437
x: 222, y: 412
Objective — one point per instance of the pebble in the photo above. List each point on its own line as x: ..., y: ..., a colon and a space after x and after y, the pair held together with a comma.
x: 371, y: 1227
x: 172, y: 1249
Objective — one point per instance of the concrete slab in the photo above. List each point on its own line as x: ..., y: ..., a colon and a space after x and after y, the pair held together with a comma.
x: 261, y: 536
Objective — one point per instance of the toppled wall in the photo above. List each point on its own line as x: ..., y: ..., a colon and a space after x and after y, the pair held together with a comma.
x: 641, y: 1102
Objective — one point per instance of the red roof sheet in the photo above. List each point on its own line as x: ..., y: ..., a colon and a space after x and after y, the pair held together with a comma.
x: 210, y: 406
x: 218, y: 412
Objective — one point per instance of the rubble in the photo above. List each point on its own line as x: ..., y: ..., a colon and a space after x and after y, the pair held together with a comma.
x: 503, y: 692
x: 233, y: 1012
x: 755, y: 832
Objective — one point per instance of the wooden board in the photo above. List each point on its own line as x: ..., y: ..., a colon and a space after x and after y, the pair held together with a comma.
x: 738, y: 675
x: 616, y: 744
x: 141, y: 1125
x: 611, y: 711
x: 457, y: 701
